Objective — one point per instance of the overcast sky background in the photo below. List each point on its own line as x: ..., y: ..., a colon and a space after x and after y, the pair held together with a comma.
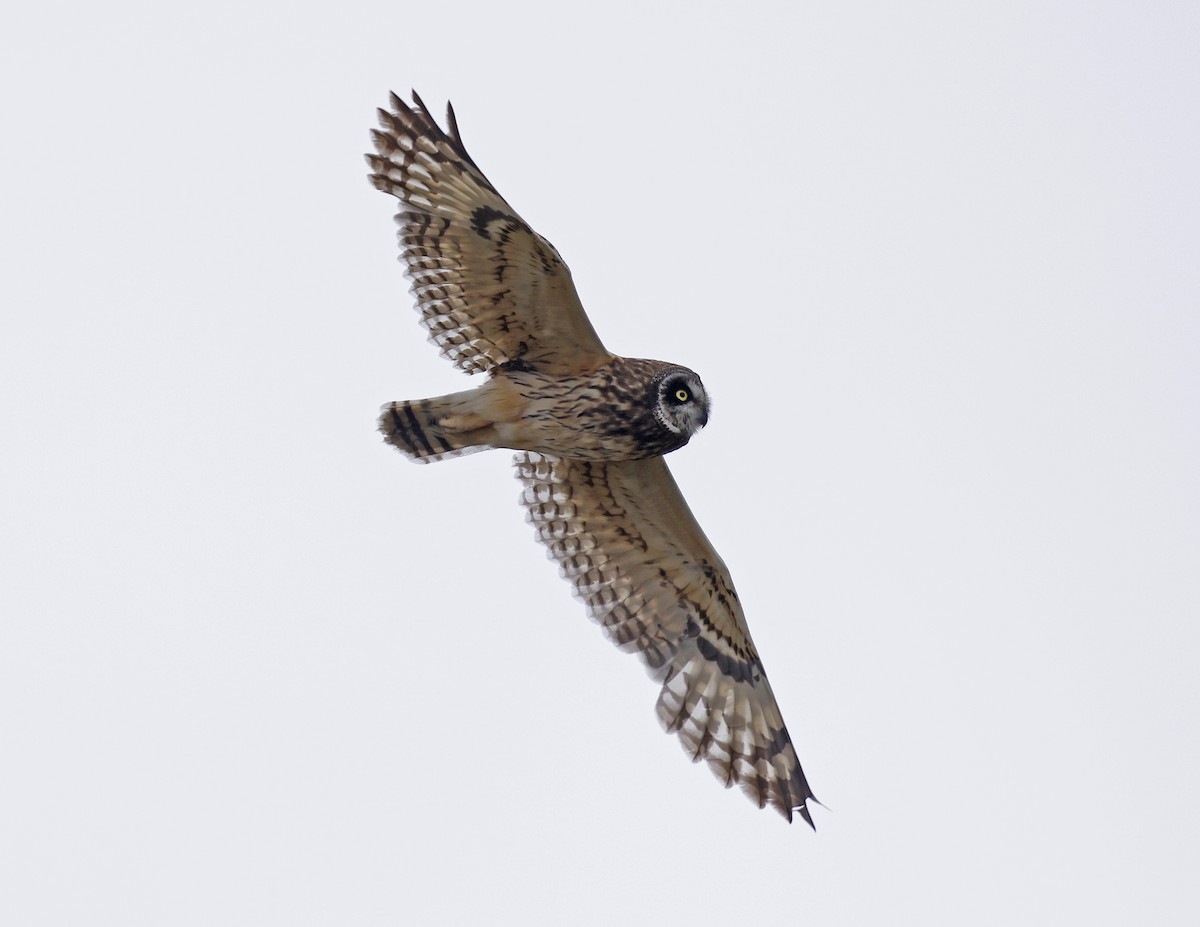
x: 936, y: 262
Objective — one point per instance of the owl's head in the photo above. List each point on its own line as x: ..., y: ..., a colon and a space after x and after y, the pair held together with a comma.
x: 682, y: 404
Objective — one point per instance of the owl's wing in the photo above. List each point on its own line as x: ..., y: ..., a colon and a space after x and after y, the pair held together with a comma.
x: 490, y: 290
x: 625, y: 538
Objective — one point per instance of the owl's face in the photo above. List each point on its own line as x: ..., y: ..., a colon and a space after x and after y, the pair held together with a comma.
x: 682, y: 404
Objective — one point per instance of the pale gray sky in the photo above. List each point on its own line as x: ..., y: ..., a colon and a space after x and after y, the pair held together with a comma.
x: 937, y: 263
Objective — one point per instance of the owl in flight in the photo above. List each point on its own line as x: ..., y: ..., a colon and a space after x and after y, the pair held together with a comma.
x: 590, y: 430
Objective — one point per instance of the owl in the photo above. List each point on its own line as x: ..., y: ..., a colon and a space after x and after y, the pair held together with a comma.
x: 590, y: 429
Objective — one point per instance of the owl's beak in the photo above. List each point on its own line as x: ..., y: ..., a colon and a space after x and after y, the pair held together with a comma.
x: 704, y: 416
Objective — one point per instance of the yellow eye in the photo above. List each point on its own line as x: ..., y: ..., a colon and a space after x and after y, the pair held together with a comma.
x: 681, y: 395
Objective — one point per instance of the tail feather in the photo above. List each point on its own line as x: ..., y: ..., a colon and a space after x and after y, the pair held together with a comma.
x: 419, y: 429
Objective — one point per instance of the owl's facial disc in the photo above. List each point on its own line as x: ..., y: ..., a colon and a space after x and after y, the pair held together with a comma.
x: 682, y: 402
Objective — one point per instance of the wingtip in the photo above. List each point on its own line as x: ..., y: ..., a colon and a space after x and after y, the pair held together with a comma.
x: 452, y: 122
x: 802, y: 809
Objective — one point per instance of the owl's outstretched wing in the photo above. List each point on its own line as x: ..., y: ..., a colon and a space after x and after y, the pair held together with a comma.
x: 625, y: 538
x: 490, y: 290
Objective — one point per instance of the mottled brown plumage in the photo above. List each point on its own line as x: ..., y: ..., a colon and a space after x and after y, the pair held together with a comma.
x: 591, y: 429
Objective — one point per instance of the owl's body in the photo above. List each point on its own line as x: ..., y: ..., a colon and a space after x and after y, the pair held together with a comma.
x: 613, y: 412
x: 591, y: 429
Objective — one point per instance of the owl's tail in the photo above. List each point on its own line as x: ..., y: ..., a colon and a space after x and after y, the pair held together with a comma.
x: 434, y: 429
